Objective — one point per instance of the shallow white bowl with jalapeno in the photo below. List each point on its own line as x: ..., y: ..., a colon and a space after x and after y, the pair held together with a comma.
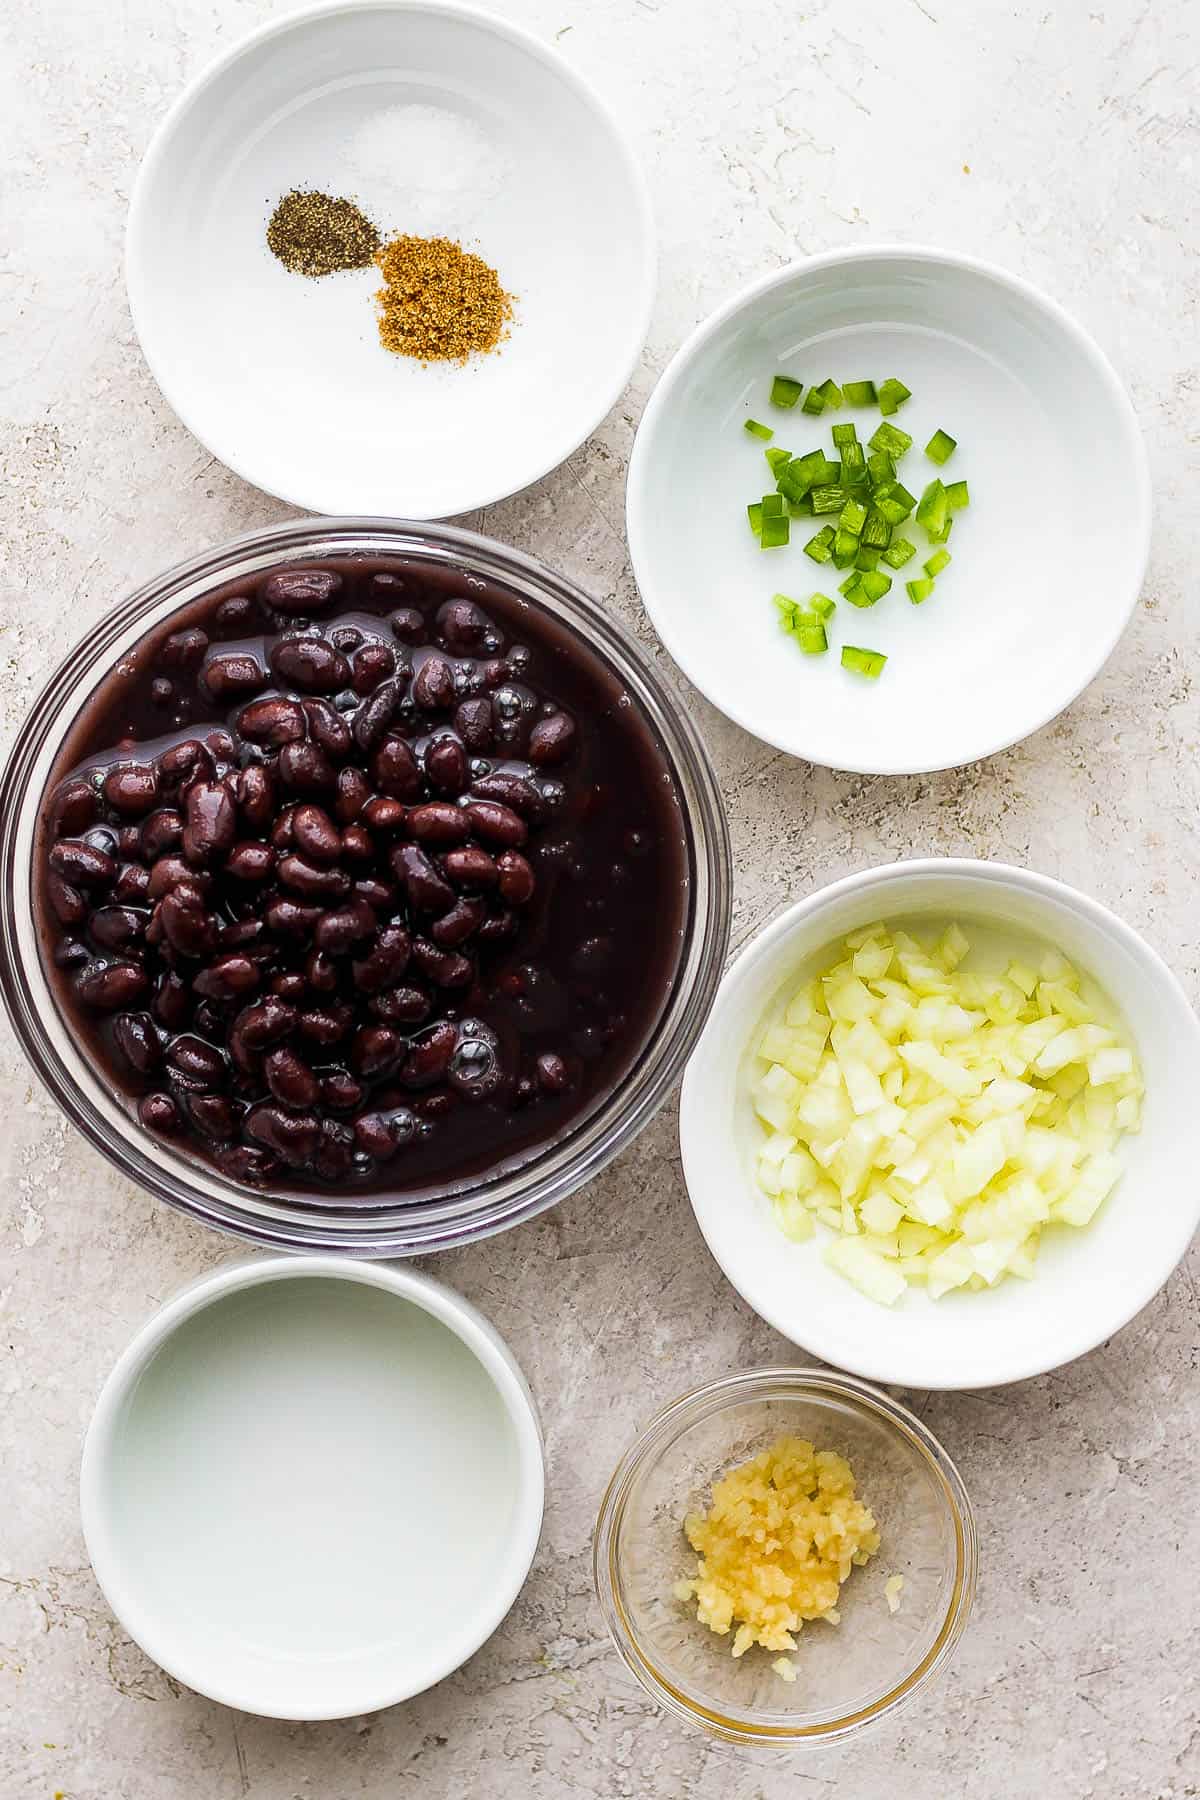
x: 1046, y: 562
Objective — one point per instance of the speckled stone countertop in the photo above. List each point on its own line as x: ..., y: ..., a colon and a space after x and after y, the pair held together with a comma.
x: 1063, y: 141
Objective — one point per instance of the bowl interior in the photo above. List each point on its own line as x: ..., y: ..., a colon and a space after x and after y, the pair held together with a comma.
x: 1029, y: 607
x: 1087, y: 1283
x: 842, y: 1670
x: 282, y: 1502
x: 284, y: 378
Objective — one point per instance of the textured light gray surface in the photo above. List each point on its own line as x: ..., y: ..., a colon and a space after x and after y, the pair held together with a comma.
x: 1062, y: 141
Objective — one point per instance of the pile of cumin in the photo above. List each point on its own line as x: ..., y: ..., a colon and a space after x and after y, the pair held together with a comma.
x: 439, y: 302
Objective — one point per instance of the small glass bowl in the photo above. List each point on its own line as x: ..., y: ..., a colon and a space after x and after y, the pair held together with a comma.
x: 848, y: 1675
x: 382, y: 1224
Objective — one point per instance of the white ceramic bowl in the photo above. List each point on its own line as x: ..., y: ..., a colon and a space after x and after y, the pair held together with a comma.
x: 1047, y: 562
x: 311, y: 1487
x: 1087, y: 1283
x: 284, y: 378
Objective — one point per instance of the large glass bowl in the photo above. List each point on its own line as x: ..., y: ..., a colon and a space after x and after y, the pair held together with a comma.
x: 847, y: 1675
x: 381, y: 1225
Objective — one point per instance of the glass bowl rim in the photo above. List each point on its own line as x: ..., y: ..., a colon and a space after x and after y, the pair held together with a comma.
x: 550, y: 1175
x: 706, y: 1401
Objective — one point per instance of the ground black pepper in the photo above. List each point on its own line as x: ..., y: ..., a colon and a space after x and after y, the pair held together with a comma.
x: 317, y: 234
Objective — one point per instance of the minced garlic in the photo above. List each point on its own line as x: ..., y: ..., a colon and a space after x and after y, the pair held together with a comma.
x: 781, y: 1536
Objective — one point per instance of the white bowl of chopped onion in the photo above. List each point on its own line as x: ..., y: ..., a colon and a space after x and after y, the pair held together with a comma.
x: 941, y: 1127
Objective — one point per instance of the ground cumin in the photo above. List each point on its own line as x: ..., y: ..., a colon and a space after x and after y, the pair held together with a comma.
x: 438, y: 302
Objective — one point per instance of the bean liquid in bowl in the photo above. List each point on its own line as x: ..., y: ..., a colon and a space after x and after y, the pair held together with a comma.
x: 361, y: 876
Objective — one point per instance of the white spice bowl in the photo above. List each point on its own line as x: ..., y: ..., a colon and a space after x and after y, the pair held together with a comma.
x: 313, y: 1487
x: 496, y: 142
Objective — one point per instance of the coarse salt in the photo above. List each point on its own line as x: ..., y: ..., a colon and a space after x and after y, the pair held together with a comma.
x: 424, y: 168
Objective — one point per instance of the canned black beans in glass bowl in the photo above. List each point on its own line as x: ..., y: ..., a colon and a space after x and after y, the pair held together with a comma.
x: 365, y: 887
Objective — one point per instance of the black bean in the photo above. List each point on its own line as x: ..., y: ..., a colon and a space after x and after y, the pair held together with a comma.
x: 429, y: 1057
x: 211, y: 822
x: 384, y: 814
x: 497, y: 928
x: 401, y: 1006
x: 66, y: 900
x: 112, y: 986
x: 234, y: 677
x: 181, y: 764
x: 552, y: 1073
x: 445, y: 968
x: 116, y: 927
x: 446, y: 765
x: 161, y: 831
x: 384, y: 896
x: 325, y: 1026
x: 242, y: 1163
x: 183, y: 650
x: 81, y: 865
x: 373, y: 718
x: 427, y: 890
x: 517, y: 881
x: 320, y: 971
x: 552, y: 740
x: 328, y: 729
x: 250, y: 862
x: 353, y: 792
x: 512, y: 791
x: 375, y: 1051
x: 407, y: 624
x: 72, y: 809
x: 275, y: 721
x: 394, y: 769
x: 186, y: 926
x: 159, y: 1113
x: 212, y: 1115
x: 496, y: 823
x: 135, y: 1037
x: 474, y: 724
x: 198, y: 1064
x: 306, y: 768
x: 292, y: 1136
x: 462, y: 627
x: 301, y: 590
x: 356, y: 845
x: 132, y: 886
x: 433, y: 685
x: 310, y: 664
x: 292, y: 918
x: 461, y: 922
x: 172, y: 1002
x: 255, y: 792
x: 290, y: 1080
x: 340, y: 1091
x: 334, y: 1155
x: 371, y: 665
x: 132, y: 789
x: 311, y: 880
x: 316, y: 834
x: 236, y: 613
x: 438, y: 822
x: 385, y: 962
x: 471, y: 867
x: 227, y: 978
x: 344, y: 926
x: 71, y: 953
